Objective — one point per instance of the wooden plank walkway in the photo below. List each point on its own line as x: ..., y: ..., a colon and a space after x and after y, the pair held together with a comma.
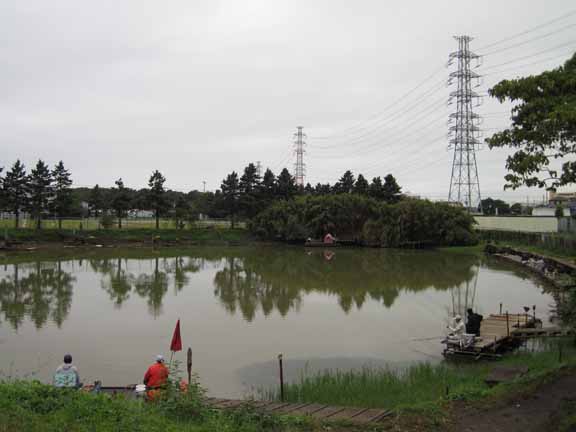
x: 314, y: 410
x: 497, y: 328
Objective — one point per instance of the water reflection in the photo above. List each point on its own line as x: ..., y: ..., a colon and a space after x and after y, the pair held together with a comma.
x: 245, y: 281
x: 39, y: 291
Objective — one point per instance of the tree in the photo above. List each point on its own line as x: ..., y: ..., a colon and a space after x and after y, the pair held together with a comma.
x: 391, y: 190
x: 62, y: 202
x: 15, y: 190
x: 230, y: 192
x: 183, y: 212
x: 96, y: 200
x: 40, y: 190
x: 249, y: 190
x: 323, y: 189
x: 492, y: 207
x: 120, y: 201
x: 361, y: 186
x: 542, y: 127
x: 285, y: 185
x: 376, y: 189
x: 346, y: 183
x: 156, y: 195
x: 308, y: 189
x: 516, y: 209
x: 559, y: 211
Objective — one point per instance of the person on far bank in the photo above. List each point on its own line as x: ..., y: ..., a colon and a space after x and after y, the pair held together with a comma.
x: 67, y: 375
x: 155, y: 378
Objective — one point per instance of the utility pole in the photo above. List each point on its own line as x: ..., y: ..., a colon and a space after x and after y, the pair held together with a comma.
x: 464, y: 132
x: 300, y: 167
x: 259, y: 169
x: 204, y: 183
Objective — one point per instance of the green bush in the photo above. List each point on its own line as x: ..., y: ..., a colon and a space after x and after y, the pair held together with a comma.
x: 362, y: 218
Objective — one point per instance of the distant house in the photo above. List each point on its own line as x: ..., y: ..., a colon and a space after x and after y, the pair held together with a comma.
x: 548, y: 211
x: 137, y: 213
x: 565, y: 199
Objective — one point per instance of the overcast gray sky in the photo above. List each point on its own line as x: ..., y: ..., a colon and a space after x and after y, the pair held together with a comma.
x: 199, y: 88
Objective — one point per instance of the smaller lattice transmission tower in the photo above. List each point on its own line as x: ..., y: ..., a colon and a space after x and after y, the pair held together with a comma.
x: 464, y: 132
x: 299, y: 166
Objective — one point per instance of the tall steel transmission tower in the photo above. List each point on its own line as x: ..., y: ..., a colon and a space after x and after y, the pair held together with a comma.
x: 299, y: 166
x: 464, y: 132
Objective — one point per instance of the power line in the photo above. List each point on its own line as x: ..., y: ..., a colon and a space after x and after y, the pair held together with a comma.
x: 388, y: 107
x: 570, y: 43
x: 530, y: 30
x: 528, y: 41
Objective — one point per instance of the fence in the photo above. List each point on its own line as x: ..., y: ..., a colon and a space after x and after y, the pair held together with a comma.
x: 534, y: 224
x: 561, y: 243
x: 128, y: 223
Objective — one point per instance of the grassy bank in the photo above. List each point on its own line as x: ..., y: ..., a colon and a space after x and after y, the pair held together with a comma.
x: 142, y: 235
x: 421, y: 385
x: 31, y: 406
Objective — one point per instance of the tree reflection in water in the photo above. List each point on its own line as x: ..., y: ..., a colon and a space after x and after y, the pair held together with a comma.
x: 40, y: 291
x: 246, y: 280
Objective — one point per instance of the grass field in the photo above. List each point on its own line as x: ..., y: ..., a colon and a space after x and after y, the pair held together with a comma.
x: 419, y: 385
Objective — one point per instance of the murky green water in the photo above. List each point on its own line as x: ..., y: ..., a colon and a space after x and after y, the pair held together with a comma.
x: 240, y: 307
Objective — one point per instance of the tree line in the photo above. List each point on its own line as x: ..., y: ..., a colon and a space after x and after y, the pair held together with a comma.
x: 47, y: 192
x: 247, y: 195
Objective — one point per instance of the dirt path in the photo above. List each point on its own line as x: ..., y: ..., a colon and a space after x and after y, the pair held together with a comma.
x: 535, y: 411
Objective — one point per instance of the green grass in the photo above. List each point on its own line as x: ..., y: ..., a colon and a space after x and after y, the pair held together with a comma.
x: 212, y: 234
x: 32, y: 406
x: 418, y: 386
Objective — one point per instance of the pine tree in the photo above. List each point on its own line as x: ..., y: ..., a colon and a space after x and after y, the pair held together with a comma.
x: 120, y: 201
x: 346, y: 183
x: 376, y: 189
x: 285, y: 185
x: 15, y: 191
x: 391, y: 190
x: 230, y: 193
x: 156, y: 195
x: 268, y: 186
x: 62, y: 202
x: 40, y: 190
x: 96, y: 200
x: 249, y: 190
x: 361, y: 186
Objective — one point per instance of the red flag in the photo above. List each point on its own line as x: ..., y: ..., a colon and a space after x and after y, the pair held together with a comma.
x: 176, y: 344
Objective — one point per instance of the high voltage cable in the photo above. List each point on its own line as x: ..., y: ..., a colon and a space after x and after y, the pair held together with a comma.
x: 395, y: 144
x: 374, y: 141
x: 391, y: 105
x: 570, y: 43
x: 528, y: 64
x: 528, y: 41
x: 384, y: 123
x: 530, y: 30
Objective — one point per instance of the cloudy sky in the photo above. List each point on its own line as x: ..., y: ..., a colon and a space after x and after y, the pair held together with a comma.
x: 199, y: 88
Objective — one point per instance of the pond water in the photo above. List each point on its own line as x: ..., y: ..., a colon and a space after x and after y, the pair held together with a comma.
x: 240, y: 307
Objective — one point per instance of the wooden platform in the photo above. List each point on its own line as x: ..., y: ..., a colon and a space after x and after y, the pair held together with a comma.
x: 495, y: 329
x: 498, y: 332
x: 317, y: 411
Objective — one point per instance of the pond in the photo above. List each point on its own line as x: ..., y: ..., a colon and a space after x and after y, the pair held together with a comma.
x: 239, y: 307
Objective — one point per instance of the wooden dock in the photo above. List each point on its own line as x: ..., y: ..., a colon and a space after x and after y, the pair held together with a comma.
x: 314, y: 410
x: 500, y: 331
